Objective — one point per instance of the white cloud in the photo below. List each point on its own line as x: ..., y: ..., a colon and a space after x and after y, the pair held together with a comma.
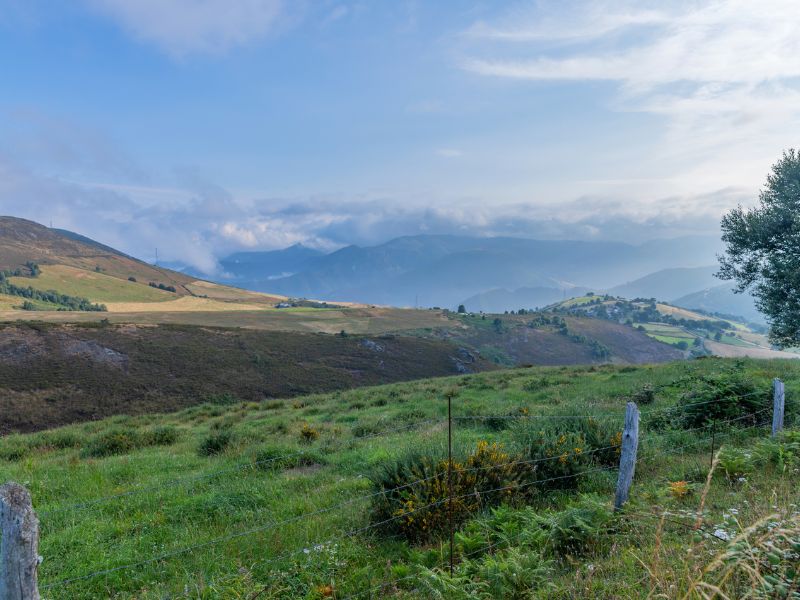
x: 183, y: 27
x: 724, y: 75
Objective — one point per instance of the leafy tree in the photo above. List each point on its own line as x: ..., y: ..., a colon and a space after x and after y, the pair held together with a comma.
x: 461, y: 309
x: 762, y: 251
x: 498, y: 325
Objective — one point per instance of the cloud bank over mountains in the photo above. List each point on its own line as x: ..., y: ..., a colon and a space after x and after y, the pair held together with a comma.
x: 211, y: 126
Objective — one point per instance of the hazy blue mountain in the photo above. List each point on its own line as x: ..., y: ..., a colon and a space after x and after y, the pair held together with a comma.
x: 443, y: 270
x: 669, y: 284
x: 721, y: 299
x: 500, y: 300
x: 257, y: 270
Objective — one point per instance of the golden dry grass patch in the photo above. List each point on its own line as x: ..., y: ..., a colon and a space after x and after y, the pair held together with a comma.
x: 182, y: 304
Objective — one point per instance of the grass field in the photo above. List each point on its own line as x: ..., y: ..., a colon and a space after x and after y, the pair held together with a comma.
x: 355, y: 320
x: 273, y: 498
x: 97, y: 287
x: 15, y: 303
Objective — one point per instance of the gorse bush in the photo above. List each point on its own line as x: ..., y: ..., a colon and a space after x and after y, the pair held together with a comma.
x: 578, y: 441
x: 414, y: 502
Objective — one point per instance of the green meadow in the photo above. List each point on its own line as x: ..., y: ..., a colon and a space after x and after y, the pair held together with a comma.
x: 282, y: 498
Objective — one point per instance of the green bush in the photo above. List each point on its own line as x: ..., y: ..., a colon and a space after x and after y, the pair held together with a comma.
x: 577, y: 443
x: 112, y: 442
x: 414, y: 499
x: 163, y: 435
x: 582, y: 528
x: 725, y: 396
x: 734, y: 463
x: 644, y: 395
x: 215, y: 443
x: 13, y: 451
x: 782, y: 452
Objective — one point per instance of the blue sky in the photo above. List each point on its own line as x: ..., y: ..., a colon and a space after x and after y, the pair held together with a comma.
x: 207, y: 126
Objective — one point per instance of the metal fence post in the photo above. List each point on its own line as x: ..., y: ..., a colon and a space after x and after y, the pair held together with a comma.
x: 627, y: 459
x: 778, y: 406
x: 19, y: 546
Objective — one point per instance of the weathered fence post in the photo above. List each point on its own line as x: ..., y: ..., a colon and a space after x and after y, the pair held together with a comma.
x: 19, y: 546
x: 627, y: 459
x: 777, y: 406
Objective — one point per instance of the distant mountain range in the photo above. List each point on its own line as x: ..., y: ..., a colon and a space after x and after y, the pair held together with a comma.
x: 485, y: 274
x: 441, y: 270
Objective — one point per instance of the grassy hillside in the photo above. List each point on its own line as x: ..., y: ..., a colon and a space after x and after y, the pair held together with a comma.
x: 281, y: 498
x: 695, y: 332
x: 97, y: 287
x: 23, y: 241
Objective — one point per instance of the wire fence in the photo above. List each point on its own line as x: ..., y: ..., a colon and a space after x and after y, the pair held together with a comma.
x: 718, y: 430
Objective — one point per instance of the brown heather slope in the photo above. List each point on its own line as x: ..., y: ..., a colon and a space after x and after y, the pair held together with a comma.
x: 516, y: 342
x: 51, y: 375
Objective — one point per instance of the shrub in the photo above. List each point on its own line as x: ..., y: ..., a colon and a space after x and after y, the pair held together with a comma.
x: 308, y: 434
x: 734, y: 463
x: 782, y: 452
x: 721, y: 397
x: 679, y: 489
x: 215, y: 443
x: 644, y: 395
x: 414, y: 504
x: 579, y: 529
x: 112, y: 442
x: 598, y: 440
x: 13, y: 451
x: 164, y: 435
x: 558, y: 459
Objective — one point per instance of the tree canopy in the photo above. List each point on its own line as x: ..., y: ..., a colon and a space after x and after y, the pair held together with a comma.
x: 762, y: 252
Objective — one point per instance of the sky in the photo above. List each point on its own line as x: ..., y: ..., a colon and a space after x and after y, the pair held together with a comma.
x: 204, y: 127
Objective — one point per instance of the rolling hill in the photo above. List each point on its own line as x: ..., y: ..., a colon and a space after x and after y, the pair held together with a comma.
x: 669, y: 284
x: 696, y: 333
x: 695, y: 288
x: 74, y: 265
x: 501, y: 300
x: 23, y: 241
x: 722, y: 299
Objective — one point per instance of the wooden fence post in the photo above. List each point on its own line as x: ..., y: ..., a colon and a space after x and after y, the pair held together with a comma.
x: 19, y: 546
x: 777, y: 406
x: 627, y: 459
